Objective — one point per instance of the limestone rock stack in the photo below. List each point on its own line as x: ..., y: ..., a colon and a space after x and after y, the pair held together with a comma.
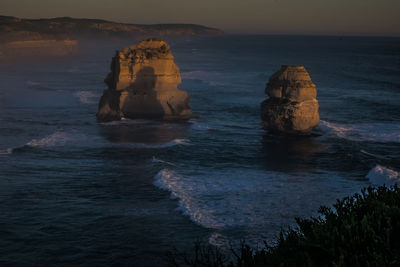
x: 143, y: 84
x: 292, y: 107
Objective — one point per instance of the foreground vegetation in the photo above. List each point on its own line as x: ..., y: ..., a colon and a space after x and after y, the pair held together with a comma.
x: 361, y: 230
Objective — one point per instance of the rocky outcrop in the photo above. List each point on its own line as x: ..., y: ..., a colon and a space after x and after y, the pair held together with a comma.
x: 292, y: 107
x: 143, y: 84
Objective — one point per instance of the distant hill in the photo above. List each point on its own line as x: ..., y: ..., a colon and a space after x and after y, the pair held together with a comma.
x: 16, y: 29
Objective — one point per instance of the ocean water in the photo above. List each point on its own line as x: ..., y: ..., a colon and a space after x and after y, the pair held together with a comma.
x: 74, y: 192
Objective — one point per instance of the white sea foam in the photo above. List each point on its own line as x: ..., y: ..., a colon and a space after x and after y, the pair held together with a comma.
x: 125, y: 121
x: 58, y: 138
x: 380, y: 175
x: 7, y: 151
x: 245, y: 198
x: 175, y: 142
x: 70, y: 138
x: 199, y: 126
x: 156, y: 160
x: 235, y: 129
x: 87, y: 97
x: 373, y: 155
x: 374, y: 132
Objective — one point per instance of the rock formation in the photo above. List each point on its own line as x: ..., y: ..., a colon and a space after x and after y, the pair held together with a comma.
x: 292, y: 107
x: 143, y: 84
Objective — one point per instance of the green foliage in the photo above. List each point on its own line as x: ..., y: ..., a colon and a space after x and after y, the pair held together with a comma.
x: 361, y: 230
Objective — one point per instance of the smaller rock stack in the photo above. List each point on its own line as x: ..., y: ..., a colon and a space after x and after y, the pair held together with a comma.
x: 292, y: 107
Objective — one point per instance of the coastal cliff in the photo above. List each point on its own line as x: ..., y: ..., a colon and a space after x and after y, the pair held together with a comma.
x: 292, y: 107
x: 17, y: 29
x: 143, y: 84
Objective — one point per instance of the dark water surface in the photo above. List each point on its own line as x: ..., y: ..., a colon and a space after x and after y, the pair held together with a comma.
x: 77, y: 193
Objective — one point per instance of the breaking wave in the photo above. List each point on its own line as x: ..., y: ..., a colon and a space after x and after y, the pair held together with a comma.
x: 227, y: 128
x: 7, y: 151
x: 55, y: 139
x: 156, y: 160
x: 87, y: 97
x: 254, y: 199
x: 380, y: 175
x: 373, y: 132
x: 175, y: 142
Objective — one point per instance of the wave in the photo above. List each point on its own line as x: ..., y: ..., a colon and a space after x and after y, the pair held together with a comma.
x: 175, y: 142
x: 39, y: 86
x: 200, y: 126
x: 228, y: 128
x: 77, y: 139
x: 380, y: 175
x: 125, y: 121
x: 213, y: 78
x: 375, y: 155
x: 373, y: 132
x: 254, y: 199
x: 7, y: 151
x: 87, y: 97
x: 156, y: 160
x: 58, y: 138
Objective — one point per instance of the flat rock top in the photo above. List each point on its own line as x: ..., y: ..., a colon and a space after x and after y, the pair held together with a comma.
x: 150, y: 49
x: 290, y: 73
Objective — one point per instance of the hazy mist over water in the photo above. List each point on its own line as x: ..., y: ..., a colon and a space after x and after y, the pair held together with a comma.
x: 77, y: 192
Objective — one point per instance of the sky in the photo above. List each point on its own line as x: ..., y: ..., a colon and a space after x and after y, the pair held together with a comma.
x: 320, y: 17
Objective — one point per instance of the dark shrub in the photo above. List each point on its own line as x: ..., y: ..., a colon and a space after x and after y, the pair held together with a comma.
x: 361, y: 230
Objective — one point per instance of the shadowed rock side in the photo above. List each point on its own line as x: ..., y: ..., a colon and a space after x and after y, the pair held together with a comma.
x: 292, y: 107
x: 143, y: 84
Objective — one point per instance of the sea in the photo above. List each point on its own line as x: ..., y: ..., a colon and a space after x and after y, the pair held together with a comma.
x: 75, y: 192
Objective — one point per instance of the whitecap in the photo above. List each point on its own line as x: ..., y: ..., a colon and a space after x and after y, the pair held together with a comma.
x: 87, y: 97
x: 72, y: 138
x: 58, y: 138
x: 372, y: 132
x: 228, y: 128
x: 156, y: 160
x: 126, y: 121
x: 373, y: 155
x: 7, y: 151
x: 175, y: 142
x: 252, y: 199
x: 199, y: 126
x: 380, y: 175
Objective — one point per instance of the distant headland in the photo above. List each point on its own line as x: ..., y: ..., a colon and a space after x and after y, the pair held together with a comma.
x: 63, y: 28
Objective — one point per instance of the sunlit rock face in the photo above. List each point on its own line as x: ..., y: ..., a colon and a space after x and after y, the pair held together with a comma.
x: 143, y: 84
x: 292, y: 107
